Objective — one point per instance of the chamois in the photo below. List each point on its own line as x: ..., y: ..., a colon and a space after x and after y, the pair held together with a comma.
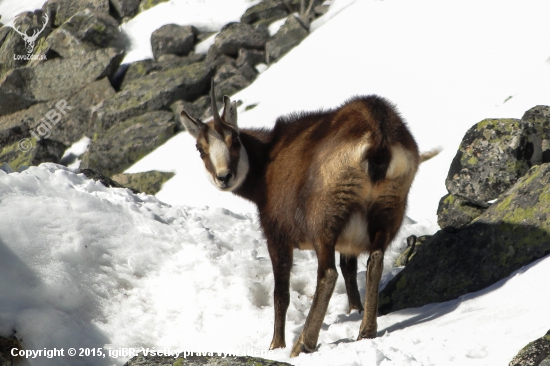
x: 327, y: 181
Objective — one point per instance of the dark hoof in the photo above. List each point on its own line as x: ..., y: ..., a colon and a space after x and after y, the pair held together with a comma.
x: 300, y: 347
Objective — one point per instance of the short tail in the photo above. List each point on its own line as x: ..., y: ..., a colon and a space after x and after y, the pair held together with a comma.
x: 429, y: 154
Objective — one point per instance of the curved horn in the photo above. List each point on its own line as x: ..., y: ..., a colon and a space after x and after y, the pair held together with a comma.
x: 215, y: 112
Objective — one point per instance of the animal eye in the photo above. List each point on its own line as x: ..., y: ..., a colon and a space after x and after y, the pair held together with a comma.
x: 236, y: 141
x: 200, y: 150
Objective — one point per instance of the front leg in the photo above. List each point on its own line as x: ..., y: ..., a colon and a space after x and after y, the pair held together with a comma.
x: 326, y: 279
x: 281, y: 260
x: 348, y: 265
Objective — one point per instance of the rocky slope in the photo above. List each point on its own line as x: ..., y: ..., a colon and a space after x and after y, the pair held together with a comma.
x: 71, y: 83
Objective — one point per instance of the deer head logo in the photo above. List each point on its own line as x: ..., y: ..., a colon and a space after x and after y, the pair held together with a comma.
x: 29, y: 40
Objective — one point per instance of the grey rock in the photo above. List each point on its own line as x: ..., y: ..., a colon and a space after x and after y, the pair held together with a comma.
x: 6, y: 345
x: 201, y: 36
x: 287, y: 37
x: 513, y: 232
x: 228, y: 70
x: 157, y: 90
x: 141, y: 360
x: 235, y: 36
x: 493, y: 155
x: 214, y: 58
x: 250, y: 57
x: 270, y: 10
x: 18, y: 125
x: 149, y: 182
x: 84, y: 32
x: 4, y: 31
x: 537, y: 121
x: 172, y: 39
x: 12, y: 44
x: 148, y: 4
x: 142, y: 68
x: 68, y: 125
x: 13, y: 48
x: 79, y: 122
x: 232, y: 85
x: 137, y: 70
x: 195, y: 109
x: 536, y: 353
x: 106, y: 181
x: 45, y: 150
x: 61, y: 10
x: 125, y: 8
x: 414, y: 244
x: 456, y: 212
x: 56, y: 79
x: 126, y: 142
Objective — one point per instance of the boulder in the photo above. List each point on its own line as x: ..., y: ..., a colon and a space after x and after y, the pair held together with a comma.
x: 537, y: 121
x: 493, y: 155
x: 18, y: 125
x: 79, y: 122
x: 106, y: 181
x: 141, y: 360
x: 512, y: 233
x: 157, y: 90
x: 215, y: 58
x: 29, y: 152
x: 61, y: 10
x: 235, y: 36
x: 173, y: 39
x: 141, y: 68
x: 413, y: 246
x: 4, y: 31
x: 287, y: 37
x: 456, y: 212
x: 55, y: 79
x: 84, y: 32
x: 147, y: 182
x: 270, y: 10
x: 195, y: 109
x: 250, y: 57
x: 536, y: 353
x: 125, y: 8
x: 6, y: 345
x: 126, y: 142
x: 14, y: 51
x: 148, y: 4
x: 231, y: 85
x: 67, y: 125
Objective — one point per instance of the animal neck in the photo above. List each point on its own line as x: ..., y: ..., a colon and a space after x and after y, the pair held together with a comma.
x: 253, y: 186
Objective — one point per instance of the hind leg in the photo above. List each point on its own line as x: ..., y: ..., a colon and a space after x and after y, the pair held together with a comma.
x: 326, y: 279
x: 348, y: 265
x: 375, y: 265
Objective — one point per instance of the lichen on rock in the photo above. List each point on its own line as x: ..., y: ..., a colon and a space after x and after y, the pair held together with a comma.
x: 512, y: 233
x: 536, y: 353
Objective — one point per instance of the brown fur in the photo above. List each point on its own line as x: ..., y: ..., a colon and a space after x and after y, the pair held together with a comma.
x: 330, y: 181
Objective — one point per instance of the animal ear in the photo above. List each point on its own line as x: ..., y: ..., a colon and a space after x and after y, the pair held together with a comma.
x: 193, y: 126
x: 230, y: 112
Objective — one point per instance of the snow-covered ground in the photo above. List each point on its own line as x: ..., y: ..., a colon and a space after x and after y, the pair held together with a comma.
x: 84, y: 266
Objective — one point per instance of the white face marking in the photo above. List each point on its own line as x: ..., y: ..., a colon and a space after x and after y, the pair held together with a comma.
x: 220, y: 158
x: 219, y: 154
